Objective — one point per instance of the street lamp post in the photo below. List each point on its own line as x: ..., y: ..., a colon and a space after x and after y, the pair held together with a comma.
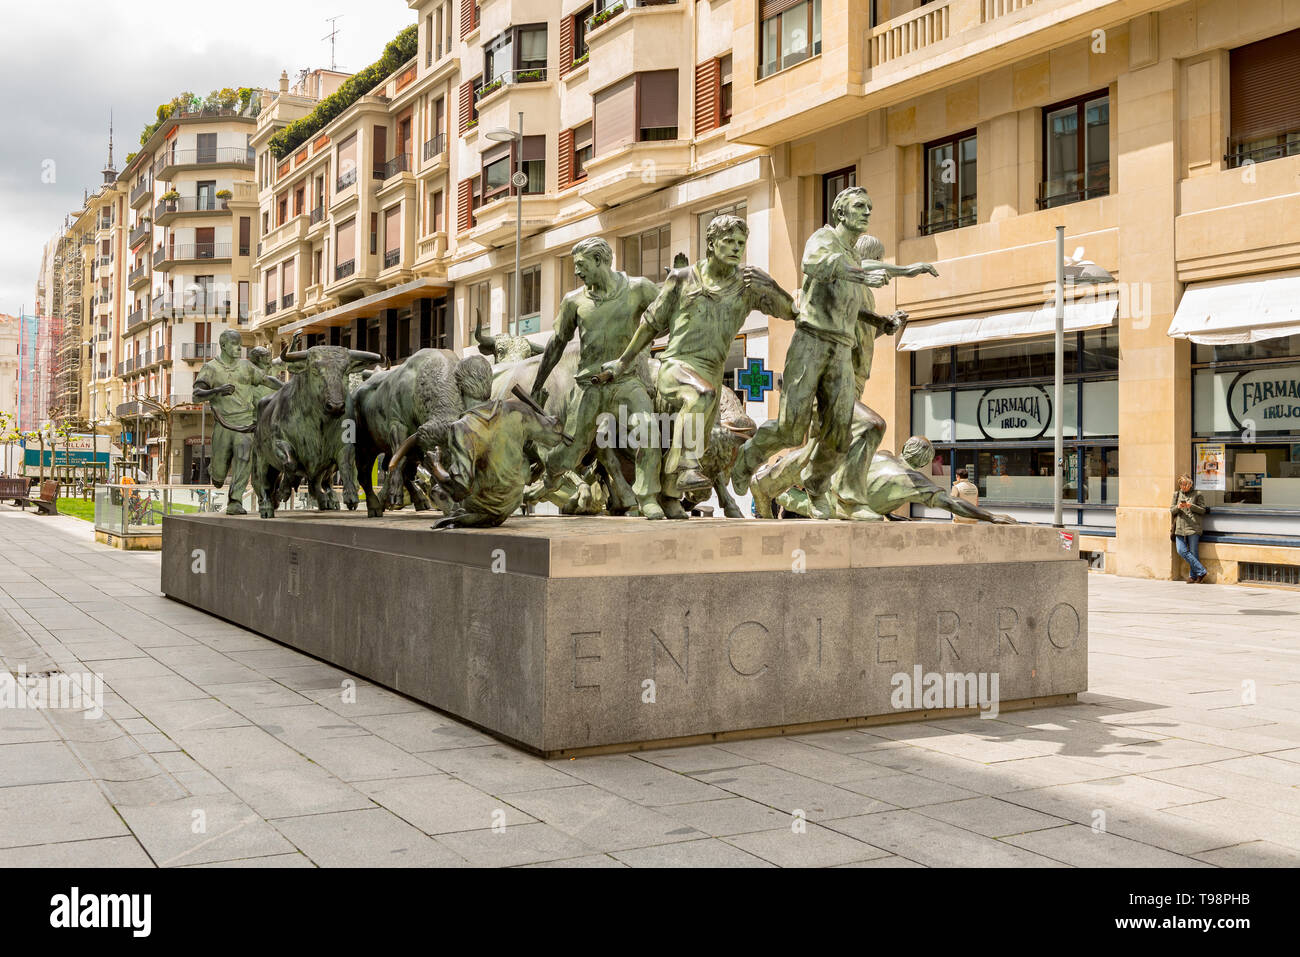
x: 1079, y: 272
x: 519, y: 181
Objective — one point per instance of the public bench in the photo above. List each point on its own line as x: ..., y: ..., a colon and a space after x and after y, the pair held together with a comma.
x: 47, y: 502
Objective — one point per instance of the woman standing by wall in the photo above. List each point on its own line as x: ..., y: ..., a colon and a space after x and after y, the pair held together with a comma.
x: 1187, y: 510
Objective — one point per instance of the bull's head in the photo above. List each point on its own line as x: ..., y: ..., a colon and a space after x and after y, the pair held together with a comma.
x: 325, y: 369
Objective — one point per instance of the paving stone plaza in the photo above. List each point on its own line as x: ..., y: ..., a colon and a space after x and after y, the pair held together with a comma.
x: 218, y: 747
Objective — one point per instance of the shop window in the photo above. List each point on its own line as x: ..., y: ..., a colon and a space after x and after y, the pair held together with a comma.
x: 789, y: 33
x: 990, y: 407
x: 1246, y: 423
x: 1076, y: 151
x: 949, y: 183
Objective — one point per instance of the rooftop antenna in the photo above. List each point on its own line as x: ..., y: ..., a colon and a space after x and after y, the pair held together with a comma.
x: 334, y: 32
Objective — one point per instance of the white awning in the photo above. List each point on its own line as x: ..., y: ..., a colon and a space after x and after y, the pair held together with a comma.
x: 1246, y: 309
x: 1083, y: 313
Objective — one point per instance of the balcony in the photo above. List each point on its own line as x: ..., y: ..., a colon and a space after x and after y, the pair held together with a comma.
x: 140, y: 192
x: 174, y: 160
x: 494, y: 222
x: 345, y: 269
x: 138, y: 277
x: 317, y: 215
x: 346, y: 179
x: 198, y: 351
x: 136, y: 321
x: 271, y: 307
x: 401, y: 163
x: 392, y: 257
x: 435, y: 147
x: 286, y: 301
x: 140, y: 232
x: 191, y: 308
x: 508, y: 79
x: 291, y: 230
x: 635, y: 170
x: 168, y: 209
x: 193, y: 252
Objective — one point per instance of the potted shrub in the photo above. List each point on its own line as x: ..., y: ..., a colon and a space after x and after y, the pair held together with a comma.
x: 224, y: 195
x: 171, y: 197
x: 582, y: 59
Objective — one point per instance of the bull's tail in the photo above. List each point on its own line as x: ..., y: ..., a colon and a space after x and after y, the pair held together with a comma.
x: 232, y: 428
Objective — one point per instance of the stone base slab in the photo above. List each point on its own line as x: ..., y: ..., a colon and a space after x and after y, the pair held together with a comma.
x: 565, y: 634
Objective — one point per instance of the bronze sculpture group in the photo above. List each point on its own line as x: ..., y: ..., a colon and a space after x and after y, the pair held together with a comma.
x: 598, y: 426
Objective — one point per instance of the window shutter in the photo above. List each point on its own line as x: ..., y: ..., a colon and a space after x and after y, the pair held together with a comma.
x: 468, y: 17
x: 1264, y: 96
x: 466, y: 101
x: 566, y: 45
x: 462, y: 205
x: 706, y: 97
x: 565, y: 165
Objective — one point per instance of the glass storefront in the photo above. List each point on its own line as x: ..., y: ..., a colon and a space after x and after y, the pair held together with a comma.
x: 988, y: 408
x: 1246, y: 424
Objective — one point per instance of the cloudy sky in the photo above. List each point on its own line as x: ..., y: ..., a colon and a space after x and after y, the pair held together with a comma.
x: 68, y: 63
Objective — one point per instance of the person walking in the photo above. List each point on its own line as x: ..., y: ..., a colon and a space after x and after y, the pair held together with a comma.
x: 1186, y: 511
x: 967, y: 491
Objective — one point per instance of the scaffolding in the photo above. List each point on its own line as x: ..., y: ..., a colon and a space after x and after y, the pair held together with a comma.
x: 66, y: 406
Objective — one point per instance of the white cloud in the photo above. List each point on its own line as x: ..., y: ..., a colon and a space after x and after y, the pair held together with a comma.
x: 68, y: 64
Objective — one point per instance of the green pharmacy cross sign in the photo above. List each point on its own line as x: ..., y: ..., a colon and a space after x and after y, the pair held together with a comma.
x: 754, y: 380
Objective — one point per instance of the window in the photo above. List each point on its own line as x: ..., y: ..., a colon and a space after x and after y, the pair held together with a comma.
x: 436, y: 212
x: 724, y: 90
x: 1264, y: 104
x: 392, y: 235
x: 530, y: 306
x: 316, y: 259
x: 1246, y: 422
x: 374, y: 233
x: 299, y: 200
x: 345, y: 241
x: 496, y: 174
x: 568, y: 279
x: 646, y: 254
x: 949, y: 183
x: 534, y: 163
x: 245, y: 234
x: 988, y: 407
x: 518, y: 55
x: 1076, y: 151
x: 205, y: 194
x: 581, y: 151
x: 656, y: 103
x: 480, y: 304
x: 243, y: 298
x: 789, y: 34
x: 580, y: 31
x: 833, y: 184
x: 281, y: 210
x: 735, y: 209
x: 639, y: 107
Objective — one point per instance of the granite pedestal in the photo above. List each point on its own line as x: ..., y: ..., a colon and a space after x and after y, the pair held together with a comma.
x: 563, y: 634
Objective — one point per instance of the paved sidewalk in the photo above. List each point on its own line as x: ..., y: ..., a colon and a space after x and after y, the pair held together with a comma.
x: 219, y: 747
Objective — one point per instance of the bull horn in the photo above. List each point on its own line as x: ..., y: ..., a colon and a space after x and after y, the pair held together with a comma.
x: 402, y: 451
x: 287, y: 356
x: 535, y: 349
x: 486, y: 344
x: 440, y: 474
x: 358, y: 356
x: 232, y: 428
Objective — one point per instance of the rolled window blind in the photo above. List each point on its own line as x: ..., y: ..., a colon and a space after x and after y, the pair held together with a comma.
x: 657, y: 96
x: 614, y: 121
x: 1265, y: 93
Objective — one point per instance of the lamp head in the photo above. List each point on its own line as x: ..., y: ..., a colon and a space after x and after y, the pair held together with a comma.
x: 501, y: 135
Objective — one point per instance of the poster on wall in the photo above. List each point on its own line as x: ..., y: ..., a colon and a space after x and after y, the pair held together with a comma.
x: 1211, y: 467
